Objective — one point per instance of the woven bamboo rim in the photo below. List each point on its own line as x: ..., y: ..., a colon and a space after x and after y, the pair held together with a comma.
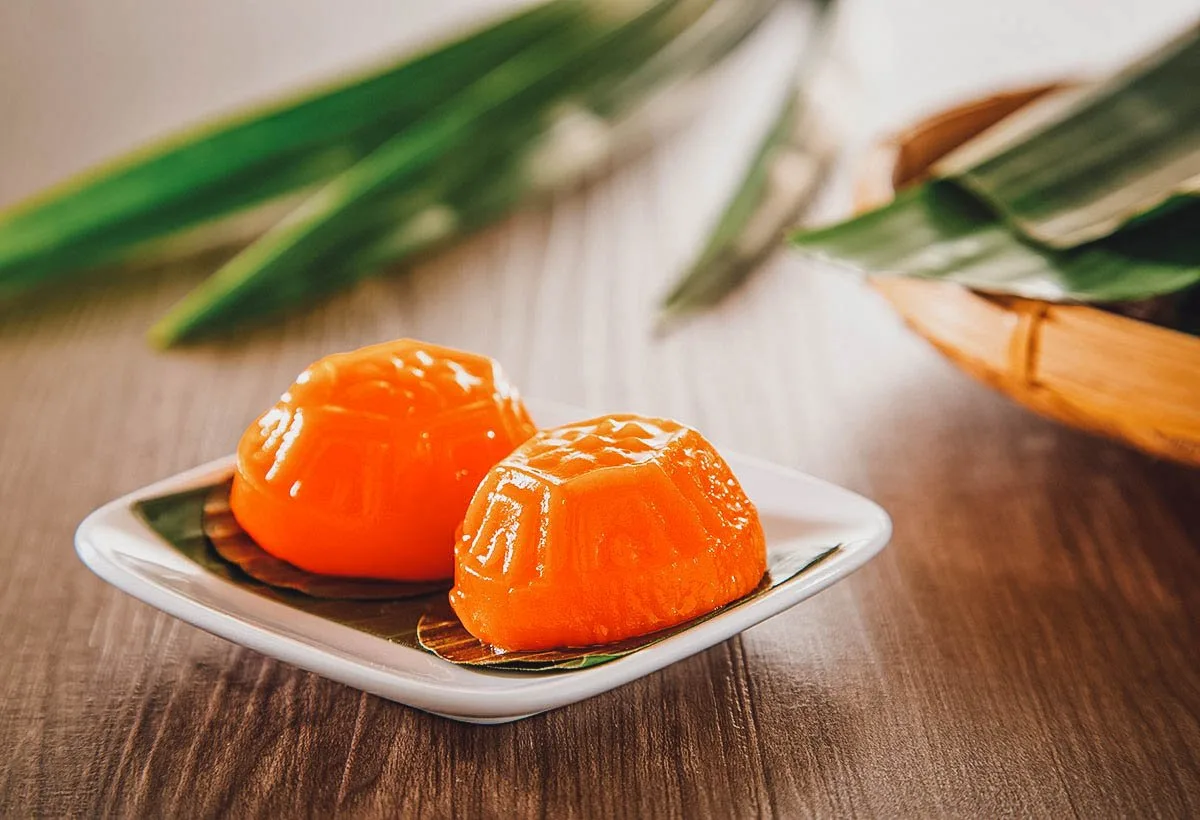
x: 1094, y: 370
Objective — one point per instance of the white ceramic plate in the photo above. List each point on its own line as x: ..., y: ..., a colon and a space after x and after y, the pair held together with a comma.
x: 798, y: 511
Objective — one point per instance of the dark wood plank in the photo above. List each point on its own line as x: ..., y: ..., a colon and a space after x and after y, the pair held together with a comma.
x: 1026, y: 646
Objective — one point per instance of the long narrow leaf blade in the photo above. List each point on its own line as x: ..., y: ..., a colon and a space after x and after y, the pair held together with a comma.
x: 1075, y: 169
x: 782, y: 179
x: 936, y: 231
x: 611, y: 121
x: 231, y: 165
x: 447, y: 149
x: 710, y: 36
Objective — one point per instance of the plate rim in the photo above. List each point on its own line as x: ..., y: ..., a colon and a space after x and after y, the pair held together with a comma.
x: 537, y: 692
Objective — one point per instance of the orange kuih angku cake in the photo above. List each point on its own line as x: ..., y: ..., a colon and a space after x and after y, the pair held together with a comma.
x: 365, y: 466
x: 603, y: 530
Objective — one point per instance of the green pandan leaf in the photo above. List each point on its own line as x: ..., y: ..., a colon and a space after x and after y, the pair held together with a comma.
x: 1077, y: 166
x: 442, y: 633
x: 936, y: 231
x: 781, y: 180
x: 474, y: 135
x: 221, y: 168
x: 180, y: 520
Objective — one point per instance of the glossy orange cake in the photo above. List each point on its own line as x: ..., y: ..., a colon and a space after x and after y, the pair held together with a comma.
x: 365, y: 466
x: 602, y: 530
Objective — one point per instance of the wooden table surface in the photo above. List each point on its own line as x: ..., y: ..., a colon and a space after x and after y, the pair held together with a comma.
x: 1027, y: 645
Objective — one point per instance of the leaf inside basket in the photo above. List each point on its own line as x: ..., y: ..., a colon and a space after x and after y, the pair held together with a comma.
x: 937, y: 231
x: 442, y: 633
x: 1076, y: 166
x: 234, y: 545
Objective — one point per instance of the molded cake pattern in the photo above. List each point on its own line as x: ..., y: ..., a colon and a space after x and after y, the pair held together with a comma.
x: 366, y: 464
x: 601, y: 530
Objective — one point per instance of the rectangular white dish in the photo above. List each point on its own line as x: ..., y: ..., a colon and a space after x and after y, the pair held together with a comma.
x: 797, y: 510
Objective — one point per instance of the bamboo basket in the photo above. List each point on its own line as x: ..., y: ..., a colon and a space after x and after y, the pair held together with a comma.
x: 1088, y: 368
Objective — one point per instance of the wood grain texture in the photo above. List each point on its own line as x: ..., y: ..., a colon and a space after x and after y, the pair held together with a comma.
x: 1027, y: 646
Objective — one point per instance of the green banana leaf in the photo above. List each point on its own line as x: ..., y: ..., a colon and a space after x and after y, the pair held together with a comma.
x: 179, y: 519
x: 441, y: 633
x: 1076, y: 167
x: 198, y: 176
x: 938, y: 231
